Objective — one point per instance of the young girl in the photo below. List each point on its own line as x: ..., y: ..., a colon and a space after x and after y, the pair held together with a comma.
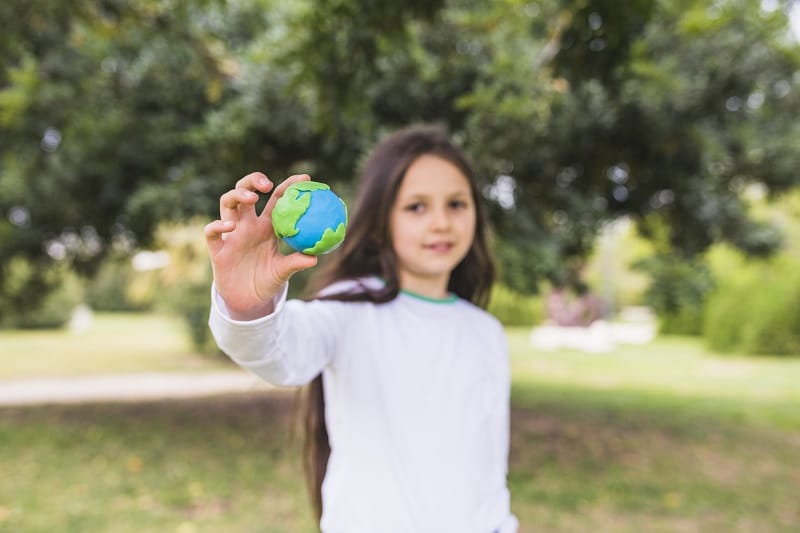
x: 411, y: 433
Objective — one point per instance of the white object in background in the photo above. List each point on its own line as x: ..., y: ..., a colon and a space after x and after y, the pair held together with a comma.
x: 600, y: 336
x: 81, y: 319
x: 595, y: 338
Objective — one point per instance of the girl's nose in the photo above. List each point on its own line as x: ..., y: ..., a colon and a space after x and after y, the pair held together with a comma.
x: 441, y: 219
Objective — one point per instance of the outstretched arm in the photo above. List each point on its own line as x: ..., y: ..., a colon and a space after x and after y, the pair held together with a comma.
x: 249, y: 270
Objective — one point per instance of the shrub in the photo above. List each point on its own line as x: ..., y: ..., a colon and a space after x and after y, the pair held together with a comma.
x: 186, y: 281
x: 38, y: 296
x: 191, y: 301
x: 677, y: 292
x: 725, y: 317
x: 773, y: 326
x: 687, y: 320
x: 112, y: 287
x: 515, y: 309
x: 758, y: 311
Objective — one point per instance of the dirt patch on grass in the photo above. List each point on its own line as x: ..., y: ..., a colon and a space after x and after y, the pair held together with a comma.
x: 721, y: 453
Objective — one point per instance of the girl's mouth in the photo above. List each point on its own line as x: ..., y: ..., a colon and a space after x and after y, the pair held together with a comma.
x: 439, y: 247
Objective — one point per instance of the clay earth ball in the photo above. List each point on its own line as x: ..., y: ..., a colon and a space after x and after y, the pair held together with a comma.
x: 310, y: 218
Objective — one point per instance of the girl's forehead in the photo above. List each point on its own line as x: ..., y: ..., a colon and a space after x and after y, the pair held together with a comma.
x: 431, y: 174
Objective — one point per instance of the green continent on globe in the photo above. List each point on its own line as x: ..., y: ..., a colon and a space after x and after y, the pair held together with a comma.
x: 329, y: 240
x: 310, y: 218
x: 286, y: 213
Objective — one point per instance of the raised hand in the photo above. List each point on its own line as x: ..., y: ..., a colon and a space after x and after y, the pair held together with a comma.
x: 249, y: 269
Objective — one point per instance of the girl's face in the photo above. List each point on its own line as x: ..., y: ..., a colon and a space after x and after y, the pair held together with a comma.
x: 432, y: 224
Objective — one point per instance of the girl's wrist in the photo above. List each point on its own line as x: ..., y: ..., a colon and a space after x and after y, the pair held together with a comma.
x: 245, y: 308
x: 254, y: 312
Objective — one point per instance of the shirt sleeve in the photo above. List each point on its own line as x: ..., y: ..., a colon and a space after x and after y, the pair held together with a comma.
x: 288, y: 347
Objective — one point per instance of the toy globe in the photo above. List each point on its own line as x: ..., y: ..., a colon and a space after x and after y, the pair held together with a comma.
x: 310, y: 218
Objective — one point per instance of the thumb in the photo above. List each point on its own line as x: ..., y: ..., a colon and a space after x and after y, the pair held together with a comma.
x: 296, y: 262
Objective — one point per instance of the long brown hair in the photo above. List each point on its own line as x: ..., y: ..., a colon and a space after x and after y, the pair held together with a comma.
x: 367, y: 251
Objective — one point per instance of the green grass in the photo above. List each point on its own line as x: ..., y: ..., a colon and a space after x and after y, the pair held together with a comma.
x: 668, y: 377
x: 601, y: 469
x: 219, y: 464
x: 113, y: 343
x: 660, y: 438
x: 674, y: 365
x: 665, y: 437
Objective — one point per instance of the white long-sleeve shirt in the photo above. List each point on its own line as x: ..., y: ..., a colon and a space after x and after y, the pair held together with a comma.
x: 416, y: 406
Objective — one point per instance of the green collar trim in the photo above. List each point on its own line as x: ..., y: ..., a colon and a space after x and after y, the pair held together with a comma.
x: 451, y: 298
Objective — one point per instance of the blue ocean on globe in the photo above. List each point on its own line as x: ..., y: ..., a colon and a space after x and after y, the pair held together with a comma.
x: 310, y: 218
x: 326, y: 211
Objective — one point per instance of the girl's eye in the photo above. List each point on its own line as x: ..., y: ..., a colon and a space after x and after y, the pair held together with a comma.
x: 458, y: 204
x: 416, y: 207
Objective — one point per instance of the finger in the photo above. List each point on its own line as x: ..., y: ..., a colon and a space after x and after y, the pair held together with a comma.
x: 255, y: 181
x: 280, y: 189
x: 214, y: 231
x: 230, y: 202
x: 295, y: 262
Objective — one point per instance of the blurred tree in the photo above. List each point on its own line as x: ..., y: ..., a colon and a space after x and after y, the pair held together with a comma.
x: 95, y: 98
x: 575, y: 112
x: 663, y: 111
x: 117, y: 114
x: 94, y: 116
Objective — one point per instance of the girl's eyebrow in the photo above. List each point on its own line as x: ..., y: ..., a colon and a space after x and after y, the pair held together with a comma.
x: 415, y: 195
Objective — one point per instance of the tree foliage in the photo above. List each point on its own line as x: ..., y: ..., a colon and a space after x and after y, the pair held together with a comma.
x: 115, y: 114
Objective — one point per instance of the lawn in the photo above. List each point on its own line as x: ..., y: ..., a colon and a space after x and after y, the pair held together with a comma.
x: 112, y: 343
x: 219, y: 464
x: 665, y: 437
x: 672, y: 376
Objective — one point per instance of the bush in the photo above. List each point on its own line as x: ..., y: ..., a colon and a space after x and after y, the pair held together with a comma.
x: 725, y: 317
x: 117, y: 287
x: 758, y: 312
x: 677, y: 292
x: 774, y: 323
x: 191, y: 301
x: 38, y: 296
x: 515, y: 309
x: 186, y: 281
x: 687, y: 320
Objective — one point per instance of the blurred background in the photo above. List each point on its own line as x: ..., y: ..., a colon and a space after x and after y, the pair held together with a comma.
x: 640, y: 163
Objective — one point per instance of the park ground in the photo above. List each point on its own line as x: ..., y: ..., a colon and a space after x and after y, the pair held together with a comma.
x: 663, y: 437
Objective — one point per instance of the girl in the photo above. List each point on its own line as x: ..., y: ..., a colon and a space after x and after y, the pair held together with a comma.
x: 411, y: 433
